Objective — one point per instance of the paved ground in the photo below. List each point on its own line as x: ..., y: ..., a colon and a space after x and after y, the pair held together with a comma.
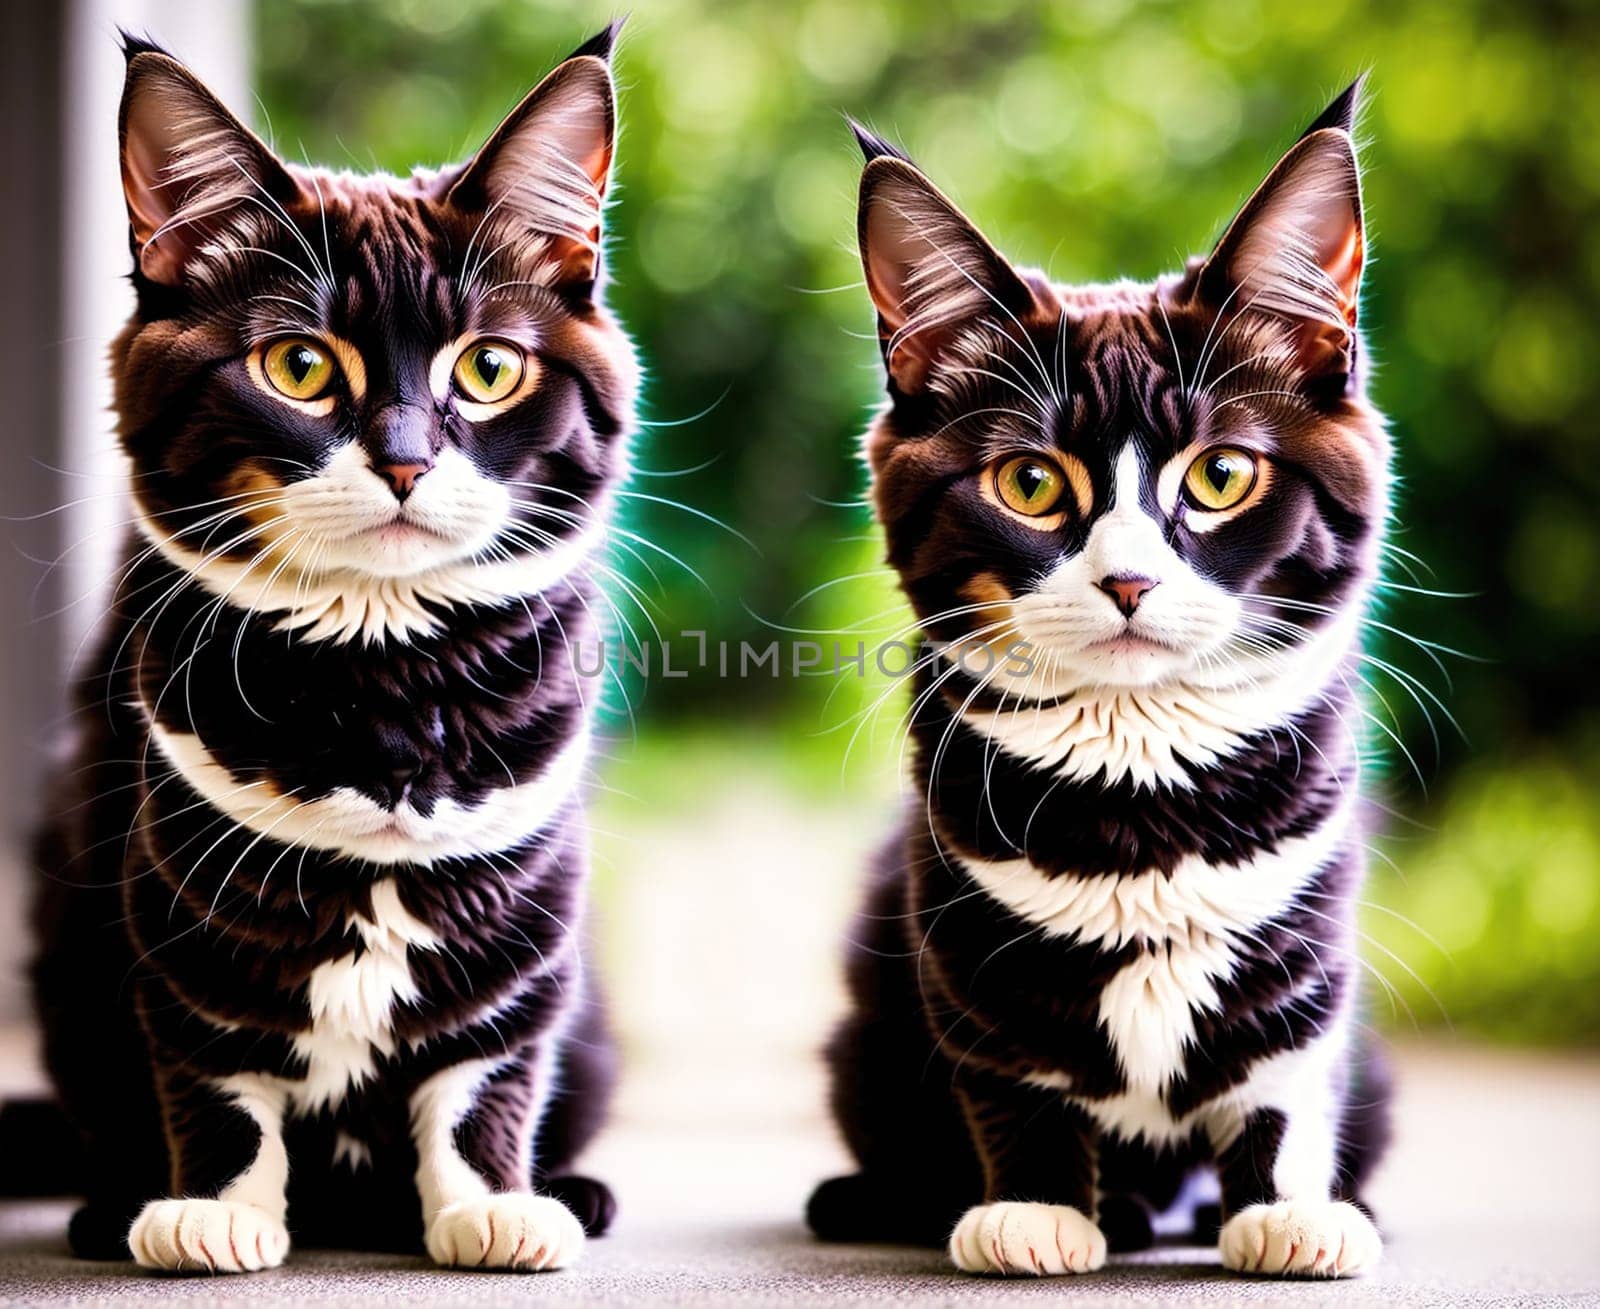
x: 1493, y: 1197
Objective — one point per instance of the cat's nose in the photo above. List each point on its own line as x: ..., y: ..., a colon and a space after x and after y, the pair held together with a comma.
x: 398, y: 787
x: 399, y: 443
x: 402, y: 478
x: 1127, y: 590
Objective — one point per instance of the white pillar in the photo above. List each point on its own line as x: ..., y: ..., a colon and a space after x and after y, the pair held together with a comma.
x: 59, y: 153
x: 212, y: 37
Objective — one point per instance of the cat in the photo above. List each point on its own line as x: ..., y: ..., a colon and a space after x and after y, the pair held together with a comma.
x: 312, y: 897
x: 1111, y: 948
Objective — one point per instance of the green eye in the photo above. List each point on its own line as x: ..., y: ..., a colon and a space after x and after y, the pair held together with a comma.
x: 1028, y: 485
x: 298, y: 368
x: 1220, y: 478
x: 489, y: 371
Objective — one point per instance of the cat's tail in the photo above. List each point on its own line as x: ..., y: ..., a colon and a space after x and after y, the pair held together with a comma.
x: 40, y: 1153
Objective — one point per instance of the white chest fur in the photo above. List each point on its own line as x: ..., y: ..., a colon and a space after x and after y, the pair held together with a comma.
x: 1191, y: 923
x: 348, y: 823
x: 352, y: 1001
x: 1152, y: 736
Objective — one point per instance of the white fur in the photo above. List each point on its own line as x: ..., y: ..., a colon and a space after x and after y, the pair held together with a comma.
x: 1112, y: 909
x: 242, y: 1229
x: 1145, y: 735
x: 1190, y: 920
x: 352, y: 1152
x: 1304, y: 1238
x: 348, y: 823
x: 437, y: 1106
x: 1031, y: 1240
x: 464, y: 1222
x: 1141, y: 714
x: 264, y: 1183
x: 216, y: 1236
x: 347, y: 562
x: 1148, y: 1008
x: 1297, y: 1082
x: 530, y: 1233
x: 352, y: 1001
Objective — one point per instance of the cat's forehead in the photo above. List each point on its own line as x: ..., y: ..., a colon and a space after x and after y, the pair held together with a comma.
x: 1103, y: 357
x: 374, y: 250
x: 373, y: 217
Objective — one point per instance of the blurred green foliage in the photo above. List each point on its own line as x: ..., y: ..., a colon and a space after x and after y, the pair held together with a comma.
x: 1488, y: 921
x: 1100, y: 138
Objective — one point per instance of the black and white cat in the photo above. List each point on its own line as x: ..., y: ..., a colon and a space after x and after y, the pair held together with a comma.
x: 1113, y: 942
x: 313, y: 892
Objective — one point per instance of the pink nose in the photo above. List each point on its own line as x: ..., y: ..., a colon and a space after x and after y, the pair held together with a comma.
x: 1127, y: 590
x: 401, y: 477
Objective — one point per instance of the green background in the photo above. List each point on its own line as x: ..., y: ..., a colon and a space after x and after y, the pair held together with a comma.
x: 1096, y: 140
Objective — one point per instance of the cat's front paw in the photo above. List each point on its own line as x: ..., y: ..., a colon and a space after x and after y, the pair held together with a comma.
x: 1031, y: 1240
x: 1300, y: 1238
x: 530, y: 1233
x: 207, y: 1236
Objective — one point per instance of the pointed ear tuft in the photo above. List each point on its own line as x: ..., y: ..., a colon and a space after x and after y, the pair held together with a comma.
x: 929, y: 271
x: 602, y: 43
x: 545, y: 170
x: 874, y: 146
x: 1296, y: 250
x: 1343, y: 112
x: 134, y: 43
x: 191, y: 171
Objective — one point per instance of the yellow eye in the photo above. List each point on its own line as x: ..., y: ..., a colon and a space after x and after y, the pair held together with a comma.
x: 297, y: 367
x: 1028, y: 485
x: 489, y: 371
x: 1220, y: 478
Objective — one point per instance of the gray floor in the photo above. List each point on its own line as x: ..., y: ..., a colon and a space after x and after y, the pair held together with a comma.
x: 1493, y: 1196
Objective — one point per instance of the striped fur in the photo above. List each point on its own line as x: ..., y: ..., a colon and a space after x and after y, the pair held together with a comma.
x: 1112, y: 945
x: 313, y: 897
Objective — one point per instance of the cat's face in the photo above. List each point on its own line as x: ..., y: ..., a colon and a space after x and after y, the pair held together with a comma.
x: 1177, y: 483
x: 365, y: 377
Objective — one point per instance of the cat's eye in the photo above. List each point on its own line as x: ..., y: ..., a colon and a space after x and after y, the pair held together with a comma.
x: 1220, y: 478
x: 1029, y: 485
x: 298, y: 368
x: 488, y: 371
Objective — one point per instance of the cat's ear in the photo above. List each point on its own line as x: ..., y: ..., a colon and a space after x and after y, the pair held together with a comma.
x: 190, y: 169
x: 1296, y: 249
x: 929, y: 271
x: 547, y: 167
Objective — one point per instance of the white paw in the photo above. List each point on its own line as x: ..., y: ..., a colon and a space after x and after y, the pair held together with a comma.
x: 1035, y: 1240
x: 1304, y: 1238
x: 207, y: 1236
x: 529, y: 1232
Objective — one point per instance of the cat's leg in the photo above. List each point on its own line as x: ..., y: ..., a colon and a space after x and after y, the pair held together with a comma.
x: 1038, y: 1157
x: 1278, y: 1164
x: 473, y: 1124
x: 584, y: 1077
x: 94, y: 1047
x: 230, y: 1168
x: 918, y: 1171
x: 99, y: 1063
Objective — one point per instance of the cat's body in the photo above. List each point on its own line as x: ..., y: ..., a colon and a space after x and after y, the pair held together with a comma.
x: 1113, y: 942
x: 312, y: 918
